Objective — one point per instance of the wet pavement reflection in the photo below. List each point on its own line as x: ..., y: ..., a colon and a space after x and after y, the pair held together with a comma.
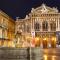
x: 29, y: 54
x: 46, y: 57
x: 51, y: 54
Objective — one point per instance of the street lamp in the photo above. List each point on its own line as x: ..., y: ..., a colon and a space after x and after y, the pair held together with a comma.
x: 29, y: 37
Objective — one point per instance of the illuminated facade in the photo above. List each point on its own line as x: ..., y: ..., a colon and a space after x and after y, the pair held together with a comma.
x: 7, y: 30
x: 41, y: 26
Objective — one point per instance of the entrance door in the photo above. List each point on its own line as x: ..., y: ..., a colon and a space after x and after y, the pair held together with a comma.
x: 45, y: 43
x: 37, y: 42
x: 53, y: 42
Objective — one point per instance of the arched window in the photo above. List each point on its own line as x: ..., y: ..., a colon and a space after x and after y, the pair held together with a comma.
x: 45, y: 26
x: 37, y: 26
x: 53, y: 26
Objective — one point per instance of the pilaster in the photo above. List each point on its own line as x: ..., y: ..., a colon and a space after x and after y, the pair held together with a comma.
x: 49, y: 26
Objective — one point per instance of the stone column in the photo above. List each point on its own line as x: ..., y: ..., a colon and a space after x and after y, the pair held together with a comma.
x: 58, y: 24
x: 41, y: 26
x: 49, y: 41
x: 35, y: 20
x: 41, y: 45
x: 31, y: 24
x: 49, y: 26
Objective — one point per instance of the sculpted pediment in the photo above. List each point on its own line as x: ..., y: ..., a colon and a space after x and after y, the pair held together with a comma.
x: 44, y: 9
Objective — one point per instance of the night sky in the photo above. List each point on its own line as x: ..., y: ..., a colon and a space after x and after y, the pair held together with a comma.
x: 15, y: 8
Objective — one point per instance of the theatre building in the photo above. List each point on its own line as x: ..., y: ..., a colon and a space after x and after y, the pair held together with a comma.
x: 41, y: 27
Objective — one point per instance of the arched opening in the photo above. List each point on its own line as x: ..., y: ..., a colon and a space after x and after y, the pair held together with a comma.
x: 53, y: 26
x: 37, y: 27
x: 45, y: 26
x: 53, y: 40
x: 45, y: 43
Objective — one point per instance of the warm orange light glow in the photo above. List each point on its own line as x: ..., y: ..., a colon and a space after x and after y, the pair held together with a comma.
x: 45, y: 39
x: 54, y: 39
x: 53, y: 57
x: 45, y: 57
x: 37, y: 38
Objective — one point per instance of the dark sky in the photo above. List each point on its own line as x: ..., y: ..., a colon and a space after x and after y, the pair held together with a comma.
x: 15, y: 8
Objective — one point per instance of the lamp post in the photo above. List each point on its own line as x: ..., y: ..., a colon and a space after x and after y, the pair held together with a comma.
x: 30, y: 50
x: 29, y: 47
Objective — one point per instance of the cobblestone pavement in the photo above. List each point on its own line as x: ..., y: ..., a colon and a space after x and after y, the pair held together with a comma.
x: 24, y: 54
x: 21, y: 53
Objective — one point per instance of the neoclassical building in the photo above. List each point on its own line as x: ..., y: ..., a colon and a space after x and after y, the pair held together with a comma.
x: 7, y: 30
x: 41, y: 27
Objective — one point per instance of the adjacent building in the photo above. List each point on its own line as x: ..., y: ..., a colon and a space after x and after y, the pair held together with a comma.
x: 7, y: 30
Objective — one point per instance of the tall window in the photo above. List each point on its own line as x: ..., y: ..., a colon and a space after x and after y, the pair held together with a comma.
x: 5, y: 34
x: 45, y: 26
x: 53, y: 26
x: 0, y: 32
x: 28, y: 28
x: 37, y: 26
x: 5, y: 22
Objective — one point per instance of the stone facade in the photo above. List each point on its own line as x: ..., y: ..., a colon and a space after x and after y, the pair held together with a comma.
x: 7, y: 30
x: 41, y: 25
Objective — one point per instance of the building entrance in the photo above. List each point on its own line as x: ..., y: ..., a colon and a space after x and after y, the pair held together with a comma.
x: 46, y: 40
x: 45, y: 43
x: 53, y: 42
